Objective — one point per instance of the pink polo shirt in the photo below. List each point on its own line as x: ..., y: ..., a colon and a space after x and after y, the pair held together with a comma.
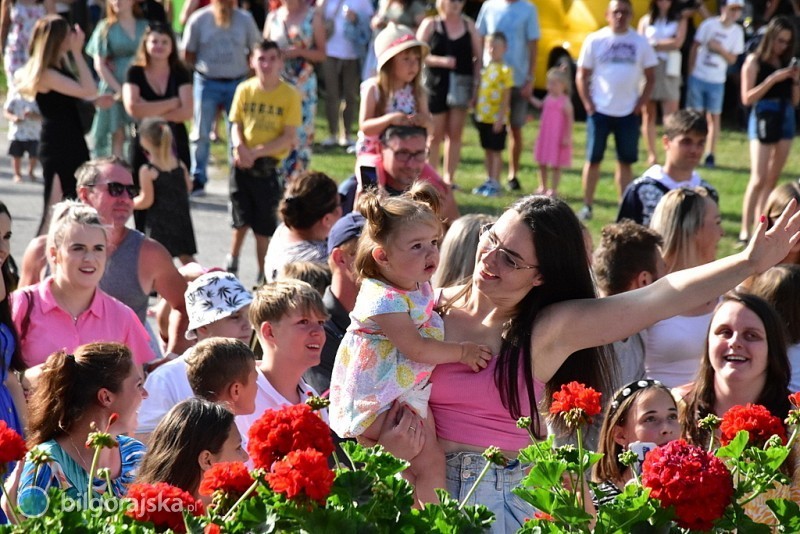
x: 50, y: 328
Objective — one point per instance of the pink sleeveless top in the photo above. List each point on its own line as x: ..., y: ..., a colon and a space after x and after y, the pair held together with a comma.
x: 468, y: 408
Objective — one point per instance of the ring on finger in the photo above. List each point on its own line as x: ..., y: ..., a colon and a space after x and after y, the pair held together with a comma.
x: 412, y: 428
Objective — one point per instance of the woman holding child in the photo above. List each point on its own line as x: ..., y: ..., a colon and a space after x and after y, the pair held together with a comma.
x: 532, y: 301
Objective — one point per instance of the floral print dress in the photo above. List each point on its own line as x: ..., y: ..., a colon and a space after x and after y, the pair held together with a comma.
x: 300, y: 73
x: 370, y: 373
x: 23, y: 19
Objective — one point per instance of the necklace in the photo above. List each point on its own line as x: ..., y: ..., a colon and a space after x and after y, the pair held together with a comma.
x: 81, y: 460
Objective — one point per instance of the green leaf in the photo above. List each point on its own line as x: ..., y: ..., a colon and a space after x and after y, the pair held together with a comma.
x: 194, y: 525
x: 546, y: 473
x: 787, y: 513
x: 736, y: 447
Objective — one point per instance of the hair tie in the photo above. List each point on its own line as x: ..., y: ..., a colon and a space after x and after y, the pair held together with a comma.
x: 630, y: 389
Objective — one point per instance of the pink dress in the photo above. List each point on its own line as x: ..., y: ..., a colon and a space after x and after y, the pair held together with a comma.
x: 549, y: 151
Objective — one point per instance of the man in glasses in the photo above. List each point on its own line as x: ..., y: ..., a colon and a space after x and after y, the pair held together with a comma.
x: 137, y: 265
x: 612, y: 62
x: 403, y: 160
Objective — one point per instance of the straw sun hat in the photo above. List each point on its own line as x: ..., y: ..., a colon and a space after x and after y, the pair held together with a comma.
x: 393, y: 39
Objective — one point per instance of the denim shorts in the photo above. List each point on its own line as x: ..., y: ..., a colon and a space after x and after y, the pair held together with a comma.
x: 704, y: 96
x: 626, y: 136
x: 789, y: 127
x: 494, y: 491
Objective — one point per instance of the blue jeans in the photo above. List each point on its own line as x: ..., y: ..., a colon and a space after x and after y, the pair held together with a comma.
x: 494, y: 491
x: 208, y: 96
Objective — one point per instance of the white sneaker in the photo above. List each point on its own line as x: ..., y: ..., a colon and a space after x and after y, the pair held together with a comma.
x: 329, y: 142
x: 585, y: 214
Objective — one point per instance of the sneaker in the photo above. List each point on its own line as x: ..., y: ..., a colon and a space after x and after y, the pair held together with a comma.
x: 585, y: 214
x: 198, y: 192
x: 489, y: 188
x: 232, y: 264
x: 513, y: 184
x: 329, y: 142
x: 709, y: 162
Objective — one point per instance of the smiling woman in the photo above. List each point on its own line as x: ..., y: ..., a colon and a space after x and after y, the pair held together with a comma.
x: 68, y: 308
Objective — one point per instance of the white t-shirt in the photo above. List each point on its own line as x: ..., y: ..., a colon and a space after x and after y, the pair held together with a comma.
x: 268, y: 398
x: 674, y: 348
x: 617, y: 62
x: 338, y: 46
x: 709, y: 66
x: 166, y: 386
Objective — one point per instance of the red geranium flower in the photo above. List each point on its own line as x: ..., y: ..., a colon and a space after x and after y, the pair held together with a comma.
x: 212, y: 528
x: 794, y: 398
x: 696, y: 483
x: 12, y: 446
x: 576, y: 402
x: 754, y: 418
x: 302, y: 473
x: 227, y: 477
x: 278, y: 432
x: 162, y: 505
x: 543, y: 516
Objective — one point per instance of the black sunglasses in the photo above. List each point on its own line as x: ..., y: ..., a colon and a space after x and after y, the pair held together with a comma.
x: 115, y: 189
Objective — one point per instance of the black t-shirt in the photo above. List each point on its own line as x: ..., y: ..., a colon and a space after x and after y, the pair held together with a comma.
x: 177, y: 77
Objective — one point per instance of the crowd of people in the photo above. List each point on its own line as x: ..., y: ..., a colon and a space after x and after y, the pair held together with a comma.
x: 430, y: 332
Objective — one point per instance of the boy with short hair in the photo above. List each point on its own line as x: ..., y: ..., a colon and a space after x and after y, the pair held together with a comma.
x: 684, y: 139
x: 223, y: 370
x: 265, y: 115
x: 217, y: 305
x: 717, y: 44
x: 491, y: 112
x: 287, y: 316
x: 24, y: 130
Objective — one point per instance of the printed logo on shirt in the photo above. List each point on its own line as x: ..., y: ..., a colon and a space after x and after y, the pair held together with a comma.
x: 619, y: 53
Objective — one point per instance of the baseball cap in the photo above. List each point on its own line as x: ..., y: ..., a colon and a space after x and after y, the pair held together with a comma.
x: 346, y: 228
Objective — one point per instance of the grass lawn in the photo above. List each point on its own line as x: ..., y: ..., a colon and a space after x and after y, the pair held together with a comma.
x: 730, y: 177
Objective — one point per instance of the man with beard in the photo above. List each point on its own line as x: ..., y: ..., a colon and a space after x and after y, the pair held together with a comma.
x: 217, y: 42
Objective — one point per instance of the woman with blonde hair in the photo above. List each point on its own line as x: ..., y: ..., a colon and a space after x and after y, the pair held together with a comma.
x: 58, y: 92
x: 68, y: 308
x: 112, y: 46
x: 459, y: 248
x: 689, y: 222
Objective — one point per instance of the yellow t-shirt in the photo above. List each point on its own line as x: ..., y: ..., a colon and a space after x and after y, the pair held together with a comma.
x: 495, y: 79
x: 264, y: 114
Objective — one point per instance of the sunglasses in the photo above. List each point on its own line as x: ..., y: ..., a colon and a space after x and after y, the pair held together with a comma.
x: 115, y: 189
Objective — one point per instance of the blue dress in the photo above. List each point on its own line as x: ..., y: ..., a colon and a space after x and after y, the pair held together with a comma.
x: 8, y: 412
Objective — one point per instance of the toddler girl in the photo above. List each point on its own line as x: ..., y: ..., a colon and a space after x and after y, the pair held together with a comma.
x: 642, y: 411
x: 553, y: 149
x: 165, y: 184
x: 393, y: 97
x: 395, y: 338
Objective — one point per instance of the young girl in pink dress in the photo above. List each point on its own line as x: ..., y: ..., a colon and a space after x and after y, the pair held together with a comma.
x: 553, y: 149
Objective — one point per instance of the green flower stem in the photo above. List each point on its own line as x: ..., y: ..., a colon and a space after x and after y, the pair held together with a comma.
x: 336, y: 461
x: 11, y: 506
x: 793, y: 437
x: 711, y: 442
x: 109, y: 487
x: 95, y: 459
x: 581, y: 469
x: 245, y: 495
x: 475, y: 485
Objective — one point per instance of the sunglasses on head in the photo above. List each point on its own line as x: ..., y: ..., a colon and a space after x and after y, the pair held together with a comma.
x: 115, y: 189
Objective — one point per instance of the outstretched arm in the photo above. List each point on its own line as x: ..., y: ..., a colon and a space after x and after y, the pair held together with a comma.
x: 573, y: 325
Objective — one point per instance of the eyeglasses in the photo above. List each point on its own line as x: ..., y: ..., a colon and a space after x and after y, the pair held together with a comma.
x: 115, y: 189
x: 404, y: 156
x: 504, y: 256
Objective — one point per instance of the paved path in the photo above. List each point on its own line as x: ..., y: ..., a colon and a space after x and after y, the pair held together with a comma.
x: 209, y: 214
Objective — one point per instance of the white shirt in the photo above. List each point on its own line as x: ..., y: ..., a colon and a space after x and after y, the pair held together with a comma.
x: 268, y: 398
x: 709, y: 66
x: 166, y: 386
x: 617, y: 62
x: 674, y: 348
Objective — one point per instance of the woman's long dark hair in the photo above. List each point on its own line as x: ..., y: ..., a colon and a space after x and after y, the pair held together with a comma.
x: 673, y: 13
x: 564, y: 266
x: 775, y: 26
x: 774, y: 395
x: 10, y: 279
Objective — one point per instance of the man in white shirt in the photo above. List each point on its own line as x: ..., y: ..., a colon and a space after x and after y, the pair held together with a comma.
x: 717, y: 44
x: 611, y: 64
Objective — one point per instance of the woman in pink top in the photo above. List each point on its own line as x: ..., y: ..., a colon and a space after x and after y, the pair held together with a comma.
x: 68, y: 309
x: 531, y: 299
